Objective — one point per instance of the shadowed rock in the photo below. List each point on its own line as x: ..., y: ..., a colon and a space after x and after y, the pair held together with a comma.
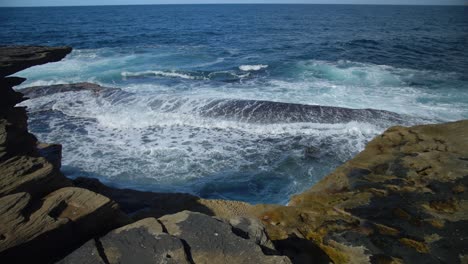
x: 17, y: 58
x: 46, y: 229
x: 42, y: 218
x: 141, y: 242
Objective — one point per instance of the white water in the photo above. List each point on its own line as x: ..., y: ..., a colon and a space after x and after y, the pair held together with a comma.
x: 154, y: 138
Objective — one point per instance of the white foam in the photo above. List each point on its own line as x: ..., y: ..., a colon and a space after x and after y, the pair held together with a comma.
x: 172, y: 74
x: 156, y: 135
x: 138, y: 139
x: 252, y: 67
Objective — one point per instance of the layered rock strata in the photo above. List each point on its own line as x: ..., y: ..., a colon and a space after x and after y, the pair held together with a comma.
x: 45, y: 217
x: 403, y: 199
x: 42, y: 216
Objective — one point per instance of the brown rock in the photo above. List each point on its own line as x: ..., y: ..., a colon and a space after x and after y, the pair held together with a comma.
x: 406, y: 187
x: 47, y: 229
x: 30, y: 174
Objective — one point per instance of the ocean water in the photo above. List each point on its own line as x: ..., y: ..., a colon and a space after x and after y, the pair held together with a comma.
x: 209, y: 92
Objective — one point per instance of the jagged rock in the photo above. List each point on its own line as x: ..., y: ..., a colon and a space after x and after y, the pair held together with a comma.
x: 30, y: 174
x: 402, y: 199
x: 52, y: 153
x: 9, y: 97
x: 213, y: 241
x: 49, y: 228
x: 252, y: 228
x: 14, y: 136
x: 40, y: 220
x: 16, y: 58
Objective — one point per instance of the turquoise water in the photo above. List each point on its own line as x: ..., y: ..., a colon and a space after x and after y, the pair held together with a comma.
x: 182, y: 122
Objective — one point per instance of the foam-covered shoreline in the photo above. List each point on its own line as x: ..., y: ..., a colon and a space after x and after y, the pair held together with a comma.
x: 403, y: 199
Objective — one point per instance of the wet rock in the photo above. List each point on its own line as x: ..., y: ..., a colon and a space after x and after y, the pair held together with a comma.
x: 38, y: 91
x: 311, y: 152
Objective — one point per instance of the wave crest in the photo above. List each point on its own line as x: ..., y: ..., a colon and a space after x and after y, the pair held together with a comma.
x: 252, y: 67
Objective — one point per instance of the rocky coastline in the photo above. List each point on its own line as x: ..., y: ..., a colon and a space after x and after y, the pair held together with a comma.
x: 404, y: 199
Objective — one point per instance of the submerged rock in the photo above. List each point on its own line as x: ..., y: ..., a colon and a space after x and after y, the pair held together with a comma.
x: 38, y: 91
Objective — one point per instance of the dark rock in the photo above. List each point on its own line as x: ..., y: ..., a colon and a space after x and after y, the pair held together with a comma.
x: 213, y: 241
x: 52, y: 153
x: 311, y: 152
x: 17, y: 58
x: 86, y: 254
x: 9, y: 97
x: 141, y: 242
x: 38, y: 91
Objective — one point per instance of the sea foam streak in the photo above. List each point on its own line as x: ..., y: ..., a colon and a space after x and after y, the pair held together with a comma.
x: 252, y: 67
x: 172, y: 74
x: 166, y: 140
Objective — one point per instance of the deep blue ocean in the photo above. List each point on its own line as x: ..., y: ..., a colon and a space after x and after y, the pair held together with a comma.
x: 175, y: 63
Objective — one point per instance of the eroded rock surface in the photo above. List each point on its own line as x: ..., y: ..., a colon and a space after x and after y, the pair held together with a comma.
x: 403, y: 199
x: 42, y: 217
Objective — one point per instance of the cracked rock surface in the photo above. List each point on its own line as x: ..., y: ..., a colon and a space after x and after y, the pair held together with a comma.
x: 185, y: 237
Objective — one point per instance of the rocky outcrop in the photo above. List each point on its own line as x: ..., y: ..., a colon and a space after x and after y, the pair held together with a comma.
x: 42, y: 217
x: 403, y: 199
x: 17, y: 58
x: 185, y: 237
x: 45, y: 216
